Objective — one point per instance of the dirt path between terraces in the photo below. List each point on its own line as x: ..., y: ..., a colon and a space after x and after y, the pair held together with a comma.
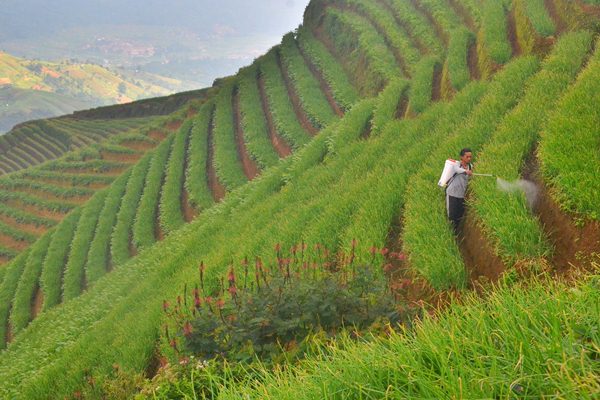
x: 217, y: 189
x: 251, y: 169
x: 279, y: 144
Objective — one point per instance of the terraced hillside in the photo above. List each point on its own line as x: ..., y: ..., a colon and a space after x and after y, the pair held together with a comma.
x: 334, y: 137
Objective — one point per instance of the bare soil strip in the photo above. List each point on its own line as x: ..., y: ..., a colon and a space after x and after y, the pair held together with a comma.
x: 189, y: 213
x: 37, y: 302
x: 9, y: 333
x: 174, y: 125
x: 300, y: 114
x: 573, y: 245
x: 479, y: 257
x: 464, y: 14
x: 25, y: 227
x: 12, y: 243
x: 138, y: 145
x: 132, y: 250
x: 120, y: 157
x: 589, y: 8
x: 279, y: 144
x: 217, y: 189
x: 402, y: 106
x: 325, y: 88
x: 250, y: 167
x: 414, y: 39
x: 432, y: 21
x: 40, y: 212
x: 473, y: 61
x: 559, y: 22
x: 75, y: 200
x: 158, y: 135
x: 512, y: 33
x: 436, y: 87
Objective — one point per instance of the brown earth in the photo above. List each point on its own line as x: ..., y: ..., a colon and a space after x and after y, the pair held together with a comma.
x: 189, y: 212
x: 381, y: 31
x: 174, y: 125
x: 34, y: 229
x: 511, y: 25
x: 158, y: 135
x: 40, y: 212
x: 159, y: 234
x: 402, y: 106
x: 589, y: 8
x: 298, y: 110
x: 464, y: 14
x: 4, y: 260
x: 436, y: 87
x: 9, y: 332
x: 325, y: 88
x: 138, y: 145
x: 366, y: 133
x: 573, y: 245
x: 37, y: 303
x: 91, y: 171
x: 132, y: 250
x: 479, y: 257
x: 404, y: 27
x: 473, y: 61
x: 12, y: 243
x: 217, y: 189
x: 66, y: 183
x: 251, y: 169
x: 76, y: 200
x: 559, y: 22
x: 120, y: 157
x: 437, y: 28
x: 279, y: 144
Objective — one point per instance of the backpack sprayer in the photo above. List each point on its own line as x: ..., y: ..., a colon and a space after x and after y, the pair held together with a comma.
x: 450, y: 170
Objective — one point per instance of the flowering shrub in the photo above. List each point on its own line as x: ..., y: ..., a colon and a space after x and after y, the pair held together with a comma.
x: 267, y: 310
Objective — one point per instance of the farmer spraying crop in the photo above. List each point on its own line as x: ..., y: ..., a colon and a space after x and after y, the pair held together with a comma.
x: 456, y: 186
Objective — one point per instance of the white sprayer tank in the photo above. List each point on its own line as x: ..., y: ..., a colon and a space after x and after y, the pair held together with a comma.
x: 448, y: 172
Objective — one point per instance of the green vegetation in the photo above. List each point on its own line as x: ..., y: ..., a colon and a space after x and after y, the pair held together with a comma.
x: 421, y: 29
x: 493, y: 41
x: 226, y: 159
x: 439, y: 261
x: 539, y: 17
x: 568, y: 148
x: 421, y: 90
x: 279, y: 102
x: 343, y: 92
x: 144, y: 225
x: 12, y: 274
x: 254, y: 123
x: 51, y: 276
x: 387, y: 104
x: 196, y: 182
x: 515, y: 234
x: 305, y: 84
x: 74, y: 281
x: 456, y: 69
x: 170, y: 212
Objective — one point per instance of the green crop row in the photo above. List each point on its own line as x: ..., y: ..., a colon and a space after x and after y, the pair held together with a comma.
x: 421, y: 89
x: 568, y: 150
x: 443, y: 14
x: 72, y: 179
x: 505, y: 218
x: 58, y: 191
x: 456, y: 68
x: 56, y: 258
x: 307, y: 87
x: 387, y: 104
x: 114, y: 148
x: 279, y: 102
x: 12, y: 274
x: 427, y: 237
x: 196, y: 182
x: 386, y: 24
x: 493, y: 44
x: 226, y: 158
x: 170, y: 211
x: 28, y: 199
x: 24, y: 217
x: 74, y: 272
x: 414, y: 140
x: 16, y: 234
x: 539, y: 17
x: 146, y: 218
x: 418, y: 24
x: 94, y: 165
x: 20, y: 314
x: 343, y: 92
x: 253, y: 120
x: 98, y: 257
x: 121, y: 239
x: 9, y: 253
x: 552, y: 355
x: 382, y: 65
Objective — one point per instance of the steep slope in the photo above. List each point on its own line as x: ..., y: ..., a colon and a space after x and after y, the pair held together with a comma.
x: 362, y: 170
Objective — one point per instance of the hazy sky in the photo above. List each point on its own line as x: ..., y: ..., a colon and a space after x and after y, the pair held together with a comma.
x: 195, y: 40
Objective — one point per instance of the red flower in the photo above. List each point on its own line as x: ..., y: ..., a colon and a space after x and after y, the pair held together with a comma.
x: 165, y: 306
x: 373, y: 250
x: 231, y: 276
x: 232, y: 291
x: 277, y: 247
x: 187, y: 329
x: 384, y: 251
x: 220, y: 304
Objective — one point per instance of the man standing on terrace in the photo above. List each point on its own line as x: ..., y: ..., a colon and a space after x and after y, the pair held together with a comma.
x: 457, y: 187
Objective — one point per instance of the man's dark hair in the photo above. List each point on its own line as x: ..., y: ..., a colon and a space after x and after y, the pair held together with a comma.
x: 465, y: 151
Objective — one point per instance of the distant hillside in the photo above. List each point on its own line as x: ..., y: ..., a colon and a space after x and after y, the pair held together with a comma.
x: 36, y: 89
